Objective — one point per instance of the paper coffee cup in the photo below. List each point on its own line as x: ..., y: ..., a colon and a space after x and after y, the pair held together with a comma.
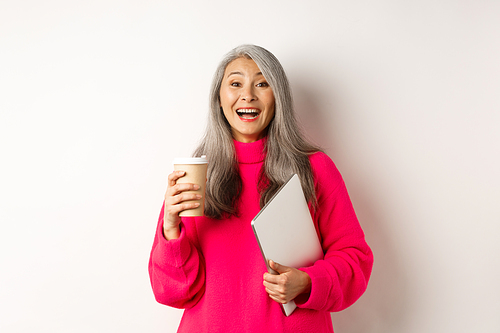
x: 196, y: 173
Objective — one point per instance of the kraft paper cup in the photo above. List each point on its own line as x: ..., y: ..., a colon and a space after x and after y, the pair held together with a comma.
x: 196, y: 173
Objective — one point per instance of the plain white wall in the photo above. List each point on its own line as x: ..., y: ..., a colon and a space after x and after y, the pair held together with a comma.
x: 98, y: 97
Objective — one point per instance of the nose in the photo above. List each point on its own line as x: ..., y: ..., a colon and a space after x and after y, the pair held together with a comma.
x: 248, y: 94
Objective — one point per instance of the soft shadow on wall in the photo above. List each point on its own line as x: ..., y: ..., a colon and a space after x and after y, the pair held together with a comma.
x: 384, y: 307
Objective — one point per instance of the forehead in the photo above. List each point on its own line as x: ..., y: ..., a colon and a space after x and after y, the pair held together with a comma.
x: 242, y: 66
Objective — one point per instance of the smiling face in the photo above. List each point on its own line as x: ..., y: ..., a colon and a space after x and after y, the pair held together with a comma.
x: 247, y: 100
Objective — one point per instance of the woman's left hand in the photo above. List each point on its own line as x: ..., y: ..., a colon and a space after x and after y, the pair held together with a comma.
x: 290, y: 283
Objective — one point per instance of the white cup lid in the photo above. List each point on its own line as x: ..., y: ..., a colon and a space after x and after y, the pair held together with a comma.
x: 191, y: 160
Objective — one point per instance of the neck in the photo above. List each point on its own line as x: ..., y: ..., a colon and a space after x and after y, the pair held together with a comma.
x: 250, y: 152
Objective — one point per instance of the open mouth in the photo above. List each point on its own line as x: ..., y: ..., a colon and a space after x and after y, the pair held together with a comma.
x: 248, y: 114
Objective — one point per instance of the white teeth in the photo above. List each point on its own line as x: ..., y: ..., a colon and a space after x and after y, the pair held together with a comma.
x: 247, y: 111
x: 248, y: 114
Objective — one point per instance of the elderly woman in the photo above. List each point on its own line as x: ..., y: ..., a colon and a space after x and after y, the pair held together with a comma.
x: 212, y: 266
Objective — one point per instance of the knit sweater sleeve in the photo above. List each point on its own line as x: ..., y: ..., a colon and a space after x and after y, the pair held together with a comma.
x: 176, y: 268
x: 342, y: 276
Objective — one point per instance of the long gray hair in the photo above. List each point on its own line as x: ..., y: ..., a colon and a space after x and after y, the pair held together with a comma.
x: 286, y: 150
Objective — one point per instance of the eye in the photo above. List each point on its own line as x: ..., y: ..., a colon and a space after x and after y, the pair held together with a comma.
x: 263, y: 84
x: 235, y: 84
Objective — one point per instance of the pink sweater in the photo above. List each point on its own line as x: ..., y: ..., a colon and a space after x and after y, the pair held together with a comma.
x: 215, y: 269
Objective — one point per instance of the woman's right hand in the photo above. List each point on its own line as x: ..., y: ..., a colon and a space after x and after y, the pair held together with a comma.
x: 175, y: 202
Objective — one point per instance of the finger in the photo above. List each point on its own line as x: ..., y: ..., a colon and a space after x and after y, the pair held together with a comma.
x: 278, y: 268
x: 277, y: 298
x: 176, y: 209
x: 271, y: 278
x: 179, y: 198
x: 272, y: 292
x: 172, y: 178
x: 271, y: 286
x: 178, y: 188
x: 277, y: 289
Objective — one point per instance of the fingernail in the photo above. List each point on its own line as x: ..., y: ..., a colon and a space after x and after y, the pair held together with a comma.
x: 198, y: 196
x: 196, y: 187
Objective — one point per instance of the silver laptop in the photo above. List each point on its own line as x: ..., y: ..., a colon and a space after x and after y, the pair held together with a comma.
x: 285, y: 231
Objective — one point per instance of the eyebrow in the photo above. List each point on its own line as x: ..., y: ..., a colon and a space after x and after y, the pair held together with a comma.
x: 240, y: 73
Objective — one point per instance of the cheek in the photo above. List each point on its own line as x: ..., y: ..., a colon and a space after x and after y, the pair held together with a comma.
x: 222, y: 97
x: 225, y: 113
x: 270, y: 100
x: 271, y: 106
x: 226, y: 97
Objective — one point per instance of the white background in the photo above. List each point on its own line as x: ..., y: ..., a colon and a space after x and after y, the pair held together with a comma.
x: 98, y: 97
